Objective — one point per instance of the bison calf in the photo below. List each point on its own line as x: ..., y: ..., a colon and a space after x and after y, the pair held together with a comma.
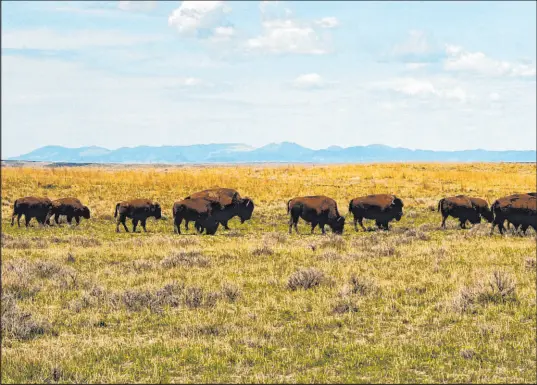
x: 70, y: 207
x: 137, y: 209
x: 317, y: 210
x: 198, y: 210
x: 383, y: 208
x: 31, y: 207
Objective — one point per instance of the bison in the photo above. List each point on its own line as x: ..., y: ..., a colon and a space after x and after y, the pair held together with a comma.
x: 232, y: 204
x: 70, y: 207
x: 198, y: 210
x: 460, y: 207
x: 317, y: 210
x: 518, y: 209
x: 383, y: 208
x: 31, y: 207
x: 137, y: 209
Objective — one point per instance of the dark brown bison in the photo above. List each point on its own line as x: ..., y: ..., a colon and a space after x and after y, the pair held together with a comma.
x: 460, y: 207
x: 232, y: 204
x: 482, y: 208
x: 383, y: 208
x: 316, y: 210
x: 137, y: 209
x: 31, y: 207
x: 518, y: 209
x: 70, y: 207
x: 198, y: 210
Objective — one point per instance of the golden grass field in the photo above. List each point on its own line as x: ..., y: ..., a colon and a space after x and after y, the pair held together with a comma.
x: 415, y: 304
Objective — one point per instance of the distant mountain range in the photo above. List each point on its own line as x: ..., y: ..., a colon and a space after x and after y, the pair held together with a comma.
x: 285, y: 152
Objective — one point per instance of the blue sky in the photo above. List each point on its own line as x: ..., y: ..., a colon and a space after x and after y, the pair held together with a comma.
x: 429, y: 75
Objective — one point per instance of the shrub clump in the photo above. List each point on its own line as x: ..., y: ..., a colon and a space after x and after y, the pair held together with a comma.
x: 499, y: 289
x: 19, y: 324
x: 263, y: 250
x: 305, y: 279
x: 186, y: 258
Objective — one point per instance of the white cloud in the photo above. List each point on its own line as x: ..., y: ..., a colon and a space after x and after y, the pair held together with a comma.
x: 48, y: 39
x: 327, y: 22
x: 284, y: 34
x: 223, y: 33
x: 142, y: 6
x: 287, y: 36
x: 309, y: 81
x: 191, y: 16
x: 477, y: 62
x: 425, y: 88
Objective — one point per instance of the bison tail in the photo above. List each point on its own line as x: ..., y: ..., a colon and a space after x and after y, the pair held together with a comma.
x: 288, y: 206
x: 440, y: 203
x: 115, y: 213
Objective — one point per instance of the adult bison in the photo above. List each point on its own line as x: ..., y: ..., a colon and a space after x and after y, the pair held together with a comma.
x: 31, y: 207
x: 70, y: 207
x: 198, y: 210
x: 317, y: 210
x: 231, y: 202
x: 383, y: 208
x: 460, y: 207
x: 518, y: 209
x: 137, y: 209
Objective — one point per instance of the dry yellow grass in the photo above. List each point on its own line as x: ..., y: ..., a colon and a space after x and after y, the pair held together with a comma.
x: 417, y: 304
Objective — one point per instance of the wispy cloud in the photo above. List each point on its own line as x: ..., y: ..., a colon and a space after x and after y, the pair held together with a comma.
x: 477, y: 62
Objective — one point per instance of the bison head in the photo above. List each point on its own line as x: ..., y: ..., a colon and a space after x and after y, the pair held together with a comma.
x: 156, y: 211
x: 397, y: 208
x: 337, y: 225
x: 86, y: 212
x: 246, y: 208
x: 487, y: 214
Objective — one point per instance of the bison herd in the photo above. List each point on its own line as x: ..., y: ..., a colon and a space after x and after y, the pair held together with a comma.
x: 210, y: 208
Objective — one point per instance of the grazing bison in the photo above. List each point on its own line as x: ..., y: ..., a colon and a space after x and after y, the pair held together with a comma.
x: 232, y: 204
x: 383, y: 208
x: 317, y: 210
x: 482, y: 208
x: 70, y: 207
x: 518, y: 209
x: 31, y: 207
x: 137, y: 209
x: 198, y: 210
x: 460, y: 207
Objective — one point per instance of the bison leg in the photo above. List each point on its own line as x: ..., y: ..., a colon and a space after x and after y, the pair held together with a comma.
x: 134, y: 224
x: 321, y: 225
x: 462, y: 223
x: 291, y: 223
x: 199, y: 228
x: 27, y: 219
x: 360, y: 221
x: 77, y: 220
x: 143, y: 221
x: 177, y: 225
x: 524, y: 228
x: 186, y: 225
x: 444, y: 217
x: 313, y: 225
x: 13, y: 219
x: 224, y: 223
x: 122, y: 218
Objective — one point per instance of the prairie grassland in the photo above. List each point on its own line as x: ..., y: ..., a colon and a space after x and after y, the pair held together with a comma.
x: 254, y: 304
